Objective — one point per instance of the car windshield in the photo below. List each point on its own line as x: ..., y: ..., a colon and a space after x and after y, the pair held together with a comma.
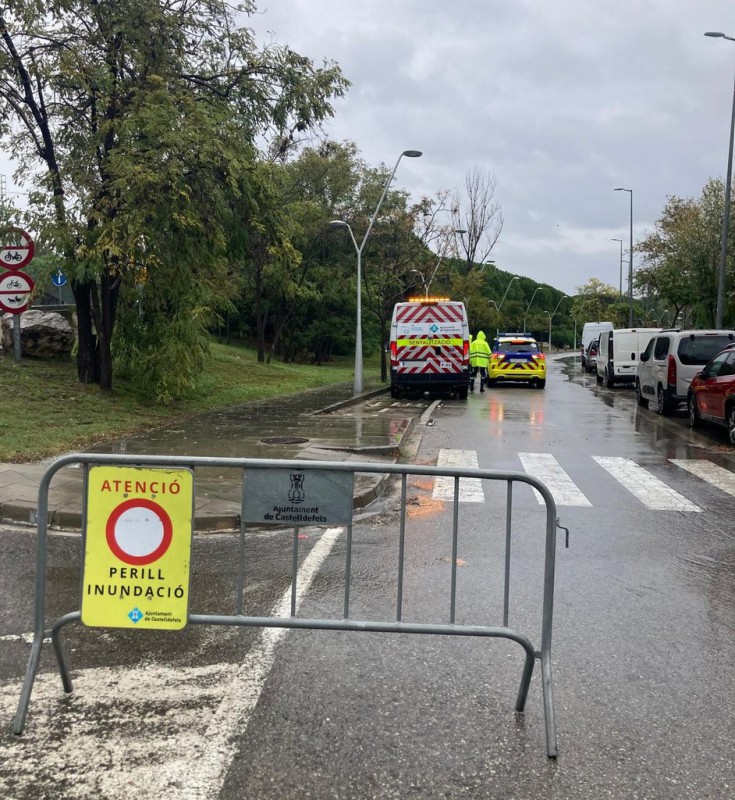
x: 700, y: 349
x: 517, y: 347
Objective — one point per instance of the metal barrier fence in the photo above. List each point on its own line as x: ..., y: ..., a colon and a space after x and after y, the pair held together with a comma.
x: 273, y: 493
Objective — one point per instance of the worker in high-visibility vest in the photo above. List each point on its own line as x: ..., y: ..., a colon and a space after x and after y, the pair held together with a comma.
x: 479, y: 360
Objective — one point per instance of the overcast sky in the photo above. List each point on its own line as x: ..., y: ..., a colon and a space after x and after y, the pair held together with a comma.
x: 563, y: 100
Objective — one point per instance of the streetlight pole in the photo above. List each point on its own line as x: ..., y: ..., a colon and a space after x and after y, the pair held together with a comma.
x: 630, y: 261
x: 525, y: 313
x: 621, y: 265
x: 726, y: 211
x: 357, y: 386
x: 551, y: 315
x: 510, y: 283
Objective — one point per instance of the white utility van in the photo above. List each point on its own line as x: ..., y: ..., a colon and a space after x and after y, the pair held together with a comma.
x: 430, y: 346
x: 671, y: 360
x: 590, y: 332
x: 619, y: 353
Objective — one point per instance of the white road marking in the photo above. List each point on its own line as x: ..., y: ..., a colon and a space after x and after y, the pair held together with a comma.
x: 200, y: 774
x: 651, y: 491
x: 548, y: 470
x: 712, y: 473
x: 153, y: 730
x: 26, y: 638
x: 470, y: 489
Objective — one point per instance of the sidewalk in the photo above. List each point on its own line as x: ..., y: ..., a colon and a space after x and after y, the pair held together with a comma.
x: 319, y: 425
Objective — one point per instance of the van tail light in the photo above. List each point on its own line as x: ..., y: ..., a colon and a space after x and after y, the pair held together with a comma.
x: 393, y: 353
x: 671, y: 371
x: 465, y: 350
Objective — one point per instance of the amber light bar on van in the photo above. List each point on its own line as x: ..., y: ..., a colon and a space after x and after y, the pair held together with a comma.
x: 428, y: 300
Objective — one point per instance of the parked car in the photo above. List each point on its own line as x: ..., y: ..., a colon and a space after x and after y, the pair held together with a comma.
x: 619, y: 352
x: 712, y: 393
x: 589, y: 359
x: 672, y: 358
x: 591, y: 333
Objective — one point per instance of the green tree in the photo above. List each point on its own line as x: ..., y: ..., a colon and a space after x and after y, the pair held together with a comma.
x: 137, y: 118
x: 681, y: 255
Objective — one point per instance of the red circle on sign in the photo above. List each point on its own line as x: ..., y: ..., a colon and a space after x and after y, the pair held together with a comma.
x: 15, y: 291
x: 13, y: 255
x: 112, y: 534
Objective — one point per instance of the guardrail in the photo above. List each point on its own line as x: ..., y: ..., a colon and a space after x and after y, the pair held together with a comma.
x: 137, y: 525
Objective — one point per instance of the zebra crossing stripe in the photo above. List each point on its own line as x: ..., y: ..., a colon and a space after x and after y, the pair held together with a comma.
x: 470, y: 489
x: 549, y: 471
x: 712, y: 473
x: 651, y: 491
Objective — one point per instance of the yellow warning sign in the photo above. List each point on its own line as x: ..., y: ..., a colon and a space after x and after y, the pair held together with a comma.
x: 137, y: 547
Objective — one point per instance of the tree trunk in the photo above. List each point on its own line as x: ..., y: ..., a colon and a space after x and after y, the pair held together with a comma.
x: 87, y: 368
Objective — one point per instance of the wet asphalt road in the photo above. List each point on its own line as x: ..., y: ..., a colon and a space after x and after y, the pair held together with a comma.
x: 644, y: 640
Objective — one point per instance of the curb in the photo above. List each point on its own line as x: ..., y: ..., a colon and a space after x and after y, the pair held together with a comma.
x: 25, y: 513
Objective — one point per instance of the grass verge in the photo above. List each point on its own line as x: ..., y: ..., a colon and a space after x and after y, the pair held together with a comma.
x: 44, y: 411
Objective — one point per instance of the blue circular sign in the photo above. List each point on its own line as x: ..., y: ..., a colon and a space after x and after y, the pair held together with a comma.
x: 58, y: 278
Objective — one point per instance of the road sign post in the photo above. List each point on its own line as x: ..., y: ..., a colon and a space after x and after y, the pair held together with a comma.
x: 15, y: 294
x: 16, y: 250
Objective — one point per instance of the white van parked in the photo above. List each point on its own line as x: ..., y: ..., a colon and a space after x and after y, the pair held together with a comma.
x: 619, y: 353
x: 672, y: 358
x: 591, y: 331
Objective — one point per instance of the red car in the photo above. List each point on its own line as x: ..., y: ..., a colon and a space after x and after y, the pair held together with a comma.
x: 712, y: 393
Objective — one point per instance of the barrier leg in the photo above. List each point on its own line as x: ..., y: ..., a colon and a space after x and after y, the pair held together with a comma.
x: 30, y: 677
x: 525, y: 678
x: 551, y: 747
x: 59, y: 649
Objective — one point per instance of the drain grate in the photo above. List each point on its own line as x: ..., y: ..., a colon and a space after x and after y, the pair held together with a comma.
x: 284, y: 440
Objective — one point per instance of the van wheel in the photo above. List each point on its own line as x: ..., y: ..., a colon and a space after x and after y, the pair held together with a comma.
x: 695, y: 421
x: 663, y: 405
x: 639, y: 398
x: 609, y: 380
x: 462, y: 393
x: 394, y: 392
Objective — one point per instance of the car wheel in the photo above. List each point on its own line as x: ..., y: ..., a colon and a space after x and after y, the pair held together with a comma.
x: 541, y: 383
x: 731, y: 423
x: 639, y: 398
x: 663, y: 406
x: 598, y: 377
x: 490, y: 382
x: 694, y: 419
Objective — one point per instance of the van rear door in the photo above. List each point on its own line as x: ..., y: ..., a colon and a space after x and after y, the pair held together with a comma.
x: 430, y: 345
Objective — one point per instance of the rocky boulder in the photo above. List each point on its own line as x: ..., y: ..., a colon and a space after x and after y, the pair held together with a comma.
x: 42, y: 334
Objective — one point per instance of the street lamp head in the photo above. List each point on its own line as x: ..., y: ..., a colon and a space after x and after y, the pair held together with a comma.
x: 715, y: 34
x: 617, y: 240
x: 338, y: 223
x: 460, y: 230
x: 620, y: 189
x: 412, y: 153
